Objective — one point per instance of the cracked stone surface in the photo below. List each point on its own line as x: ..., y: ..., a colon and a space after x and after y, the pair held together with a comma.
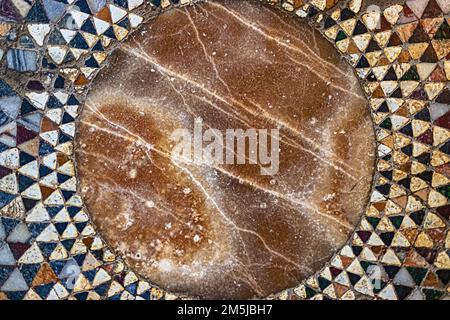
x: 225, y: 231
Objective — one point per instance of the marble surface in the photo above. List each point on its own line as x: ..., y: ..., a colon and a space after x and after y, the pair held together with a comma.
x: 225, y: 231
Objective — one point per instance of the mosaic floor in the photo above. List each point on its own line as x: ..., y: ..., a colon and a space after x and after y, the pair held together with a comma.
x: 93, y: 207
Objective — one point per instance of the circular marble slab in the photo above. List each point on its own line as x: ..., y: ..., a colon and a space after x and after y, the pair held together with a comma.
x: 225, y: 231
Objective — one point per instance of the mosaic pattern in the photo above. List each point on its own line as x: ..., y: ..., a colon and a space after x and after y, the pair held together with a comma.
x: 218, y: 230
x: 52, y: 50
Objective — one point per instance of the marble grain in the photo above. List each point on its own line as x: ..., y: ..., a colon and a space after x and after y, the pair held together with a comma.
x: 225, y: 231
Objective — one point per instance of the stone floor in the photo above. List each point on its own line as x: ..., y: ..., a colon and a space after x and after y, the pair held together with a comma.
x: 94, y: 204
x: 198, y: 242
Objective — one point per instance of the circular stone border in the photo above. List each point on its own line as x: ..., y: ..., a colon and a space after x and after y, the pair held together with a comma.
x: 399, y: 250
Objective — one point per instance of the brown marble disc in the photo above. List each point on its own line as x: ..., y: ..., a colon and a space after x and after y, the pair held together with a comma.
x: 225, y: 231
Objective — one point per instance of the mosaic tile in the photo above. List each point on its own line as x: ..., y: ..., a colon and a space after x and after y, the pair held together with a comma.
x: 49, y: 248
x: 21, y: 60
